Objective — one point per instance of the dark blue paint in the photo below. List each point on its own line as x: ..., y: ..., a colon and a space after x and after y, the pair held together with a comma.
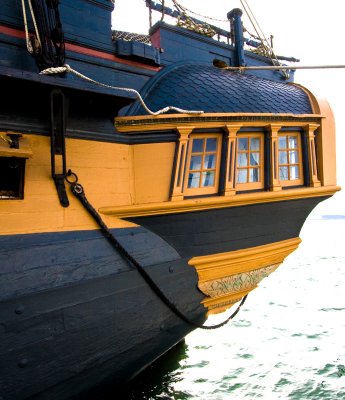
x: 193, y: 86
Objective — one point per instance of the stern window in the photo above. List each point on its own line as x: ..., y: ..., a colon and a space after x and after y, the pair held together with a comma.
x: 249, y: 165
x: 202, y: 168
x: 290, y: 160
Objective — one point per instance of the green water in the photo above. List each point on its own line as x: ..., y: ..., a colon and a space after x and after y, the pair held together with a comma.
x: 287, y: 342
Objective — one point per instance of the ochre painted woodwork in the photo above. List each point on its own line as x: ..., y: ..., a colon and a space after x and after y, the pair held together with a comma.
x: 226, y: 277
x: 24, y: 150
x: 250, y: 185
x: 325, y: 145
x: 292, y: 182
x: 202, y: 190
x: 142, y: 123
x: 104, y: 170
x: 274, y: 171
x: 231, y: 159
x: 152, y: 169
x: 206, y: 203
x: 180, y: 162
x: 314, y: 180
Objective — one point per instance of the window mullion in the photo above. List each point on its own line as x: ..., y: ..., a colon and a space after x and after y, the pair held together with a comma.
x: 274, y: 147
x: 230, y: 173
x: 314, y: 180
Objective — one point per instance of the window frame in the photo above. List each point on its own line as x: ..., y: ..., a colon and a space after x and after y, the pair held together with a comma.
x: 203, y: 190
x: 300, y: 180
x: 261, y: 182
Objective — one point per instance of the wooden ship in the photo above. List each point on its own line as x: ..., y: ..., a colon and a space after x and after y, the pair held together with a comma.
x: 172, y: 216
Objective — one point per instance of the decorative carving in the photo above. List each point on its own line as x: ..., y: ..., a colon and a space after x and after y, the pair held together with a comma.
x: 226, y: 277
x: 236, y: 283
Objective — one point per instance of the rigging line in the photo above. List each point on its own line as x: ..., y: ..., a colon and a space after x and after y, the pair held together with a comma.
x: 35, y: 24
x: 27, y: 38
x: 272, y: 54
x: 251, y: 21
x: 67, y: 68
x: 204, y: 16
x: 255, y: 20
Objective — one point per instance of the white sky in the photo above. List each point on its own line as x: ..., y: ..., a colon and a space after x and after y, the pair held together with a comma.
x: 311, y: 30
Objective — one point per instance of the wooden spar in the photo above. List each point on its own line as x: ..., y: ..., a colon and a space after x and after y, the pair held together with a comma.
x: 279, y: 67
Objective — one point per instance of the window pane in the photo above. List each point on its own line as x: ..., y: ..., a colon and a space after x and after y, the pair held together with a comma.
x: 282, y: 142
x: 211, y: 144
x: 283, y: 173
x: 254, y: 144
x: 195, y: 162
x: 208, y: 178
x: 193, y: 179
x: 209, y: 161
x: 283, y: 157
x: 254, y: 175
x: 198, y: 145
x: 293, y: 155
x: 242, y: 176
x: 242, y: 160
x: 255, y: 159
x: 294, y: 172
x: 243, y: 144
x: 292, y: 142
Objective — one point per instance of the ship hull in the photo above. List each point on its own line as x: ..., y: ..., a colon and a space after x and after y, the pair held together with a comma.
x: 77, y: 315
x: 208, y: 198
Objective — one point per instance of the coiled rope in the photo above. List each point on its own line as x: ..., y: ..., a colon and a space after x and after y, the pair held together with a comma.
x: 79, y: 193
x: 67, y: 68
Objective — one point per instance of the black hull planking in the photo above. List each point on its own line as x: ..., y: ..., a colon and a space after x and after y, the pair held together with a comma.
x: 77, y: 315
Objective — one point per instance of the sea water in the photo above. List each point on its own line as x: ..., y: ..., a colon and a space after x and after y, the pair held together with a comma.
x: 287, y: 342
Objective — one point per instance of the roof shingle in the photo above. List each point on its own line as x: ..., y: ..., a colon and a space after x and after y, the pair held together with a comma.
x: 213, y: 90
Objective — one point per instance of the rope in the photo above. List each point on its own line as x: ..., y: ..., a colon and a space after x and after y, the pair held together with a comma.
x: 35, y: 24
x: 67, y: 68
x: 203, y: 16
x: 266, y: 47
x: 27, y: 37
x: 192, y: 24
x: 79, y: 193
x: 7, y: 140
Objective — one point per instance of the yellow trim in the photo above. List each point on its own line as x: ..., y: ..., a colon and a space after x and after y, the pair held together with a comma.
x: 226, y: 277
x: 314, y: 180
x: 142, y: 123
x: 24, y: 150
x: 184, y: 132
x: 231, y: 159
x: 215, y: 202
x: 238, y: 261
x: 250, y: 185
x: 291, y: 182
x: 274, y: 170
x: 201, y: 190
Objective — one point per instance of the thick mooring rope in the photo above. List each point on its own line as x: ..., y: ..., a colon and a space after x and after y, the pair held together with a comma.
x: 79, y: 193
x: 67, y: 68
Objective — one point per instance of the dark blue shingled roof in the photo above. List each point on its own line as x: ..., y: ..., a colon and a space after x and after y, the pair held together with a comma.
x: 213, y: 90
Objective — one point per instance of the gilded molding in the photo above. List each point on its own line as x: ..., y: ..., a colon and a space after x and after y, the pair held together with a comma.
x: 226, y: 277
x: 214, y: 202
x: 164, y: 122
